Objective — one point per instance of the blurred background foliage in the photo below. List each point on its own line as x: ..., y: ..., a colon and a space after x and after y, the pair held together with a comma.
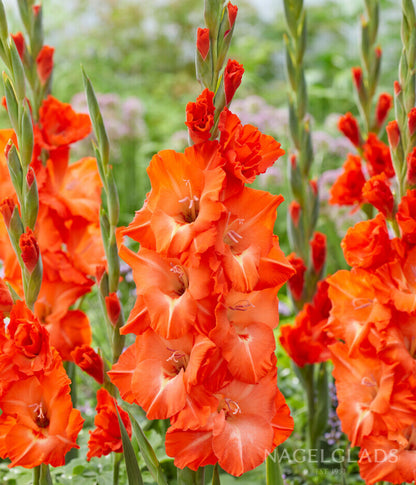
x: 140, y: 58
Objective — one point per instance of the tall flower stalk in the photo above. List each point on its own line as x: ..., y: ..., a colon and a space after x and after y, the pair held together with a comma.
x: 309, y: 246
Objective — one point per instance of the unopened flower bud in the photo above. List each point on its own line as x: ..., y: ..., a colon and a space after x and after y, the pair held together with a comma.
x: 203, y: 42
x: 393, y: 134
x: 397, y: 88
x: 44, y: 64
x: 113, y: 306
x: 411, y: 121
x: 357, y: 76
x: 89, y: 361
x: 232, y: 79
x: 30, y: 250
x: 384, y: 104
x: 6, y: 300
x: 232, y: 14
x: 19, y: 40
x: 297, y: 281
x: 348, y: 125
x: 7, y: 206
x: 294, y: 211
x: 318, y: 250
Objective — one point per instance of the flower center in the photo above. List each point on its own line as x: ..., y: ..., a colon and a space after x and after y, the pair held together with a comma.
x: 182, y: 278
x: 231, y: 235
x: 230, y: 407
x: 179, y: 359
x: 39, y: 416
x: 190, y: 204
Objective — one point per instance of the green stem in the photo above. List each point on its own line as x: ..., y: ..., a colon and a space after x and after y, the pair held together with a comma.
x: 117, y: 457
x: 273, y: 471
x: 189, y: 477
x: 310, y: 396
x: 42, y: 475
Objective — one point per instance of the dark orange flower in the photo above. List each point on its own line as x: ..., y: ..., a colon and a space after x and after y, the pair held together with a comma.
x: 411, y: 121
x: 106, y: 437
x: 38, y: 424
x: 26, y: 350
x: 306, y: 341
x: 348, y: 125
x: 411, y: 168
x: 382, y: 401
x: 357, y: 77
x: 377, y: 192
x: 59, y: 125
x: 348, y: 186
x: 232, y: 13
x: 389, y: 460
x: 377, y: 155
x: 406, y: 216
x: 246, y: 150
x: 89, y: 361
x: 19, y: 41
x: 200, y: 117
x: 367, y: 244
x: 184, y: 203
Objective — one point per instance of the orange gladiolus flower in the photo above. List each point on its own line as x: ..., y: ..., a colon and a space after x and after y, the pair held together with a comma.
x: 106, y: 437
x: 59, y: 125
x: 89, y: 361
x: 306, y: 342
x: 348, y: 186
x: 377, y: 155
x: 38, y: 424
x: 200, y: 117
x: 183, y: 205
x: 367, y: 244
x: 247, y: 151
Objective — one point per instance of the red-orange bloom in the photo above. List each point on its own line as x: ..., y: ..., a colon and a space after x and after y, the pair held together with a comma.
x: 306, y: 341
x: 411, y: 168
x: 367, y: 244
x: 26, y: 350
x: 377, y: 155
x: 382, y: 401
x: 184, y: 203
x: 247, y: 151
x: 200, y: 117
x: 106, y: 437
x: 377, y: 191
x: 348, y: 186
x: 348, y: 125
x: 406, y: 216
x: 411, y: 121
x: 59, y: 125
x: 89, y: 361
x: 38, y: 424
x: 232, y: 13
x: 357, y: 77
x: 233, y: 73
